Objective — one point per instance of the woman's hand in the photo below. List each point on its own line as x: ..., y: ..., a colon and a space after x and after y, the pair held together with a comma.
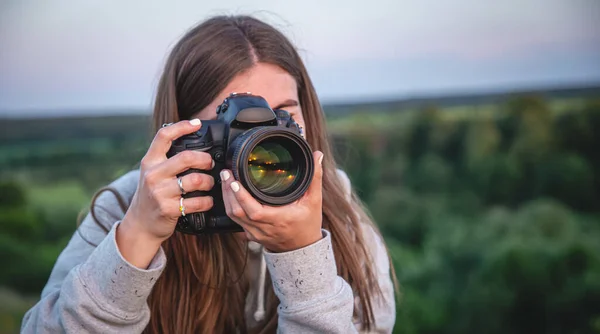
x: 283, y: 228
x: 154, y: 210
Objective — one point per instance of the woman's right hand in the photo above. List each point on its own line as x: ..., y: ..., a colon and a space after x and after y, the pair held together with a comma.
x: 154, y: 210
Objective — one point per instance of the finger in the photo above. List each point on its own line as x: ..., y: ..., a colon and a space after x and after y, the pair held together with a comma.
x: 196, y: 204
x: 196, y: 181
x: 190, y: 182
x: 236, y: 212
x: 225, y: 175
x: 164, y: 137
x: 183, y: 161
x: 252, y: 231
x: 253, y: 209
x: 170, y: 207
x: 314, y: 192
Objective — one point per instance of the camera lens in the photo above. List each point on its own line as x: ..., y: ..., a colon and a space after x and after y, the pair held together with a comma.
x: 271, y: 168
x: 275, y: 165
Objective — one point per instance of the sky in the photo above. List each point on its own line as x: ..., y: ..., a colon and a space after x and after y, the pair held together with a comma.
x: 72, y: 56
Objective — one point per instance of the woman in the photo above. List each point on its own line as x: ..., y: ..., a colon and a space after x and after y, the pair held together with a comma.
x: 126, y: 270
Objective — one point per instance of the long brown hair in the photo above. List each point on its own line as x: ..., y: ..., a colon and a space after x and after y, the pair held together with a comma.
x: 203, y: 289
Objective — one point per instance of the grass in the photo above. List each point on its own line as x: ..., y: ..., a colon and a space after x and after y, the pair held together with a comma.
x: 57, y: 196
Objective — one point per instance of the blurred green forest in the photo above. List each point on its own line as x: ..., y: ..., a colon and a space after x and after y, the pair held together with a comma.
x: 491, y: 210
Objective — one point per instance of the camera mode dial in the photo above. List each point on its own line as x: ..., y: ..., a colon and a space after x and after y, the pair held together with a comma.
x: 223, y: 106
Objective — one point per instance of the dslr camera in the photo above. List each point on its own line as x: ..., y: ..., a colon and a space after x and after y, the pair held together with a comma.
x: 264, y: 149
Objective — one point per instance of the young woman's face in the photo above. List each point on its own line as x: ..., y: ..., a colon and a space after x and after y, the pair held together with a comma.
x: 269, y: 81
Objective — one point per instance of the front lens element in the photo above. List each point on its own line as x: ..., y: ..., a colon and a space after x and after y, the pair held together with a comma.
x: 271, y: 166
x: 275, y: 165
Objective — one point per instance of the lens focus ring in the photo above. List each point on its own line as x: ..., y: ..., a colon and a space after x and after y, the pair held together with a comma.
x: 273, y: 163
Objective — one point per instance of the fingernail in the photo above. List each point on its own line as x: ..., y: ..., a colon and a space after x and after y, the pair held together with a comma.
x: 321, y: 159
x: 235, y: 187
x: 224, y: 175
x: 212, y: 164
x: 195, y: 122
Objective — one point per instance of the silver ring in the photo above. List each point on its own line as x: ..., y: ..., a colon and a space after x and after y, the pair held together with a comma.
x: 181, y: 207
x: 180, y: 184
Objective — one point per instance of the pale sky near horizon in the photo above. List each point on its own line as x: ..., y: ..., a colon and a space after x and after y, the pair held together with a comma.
x: 76, y: 55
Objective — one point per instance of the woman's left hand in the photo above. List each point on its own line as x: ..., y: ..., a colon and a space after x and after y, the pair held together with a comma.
x: 279, y: 229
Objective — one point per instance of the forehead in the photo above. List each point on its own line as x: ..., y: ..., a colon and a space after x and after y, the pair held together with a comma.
x: 267, y: 80
x: 271, y: 82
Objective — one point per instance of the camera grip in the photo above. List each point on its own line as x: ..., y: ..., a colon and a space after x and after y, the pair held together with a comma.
x: 214, y: 220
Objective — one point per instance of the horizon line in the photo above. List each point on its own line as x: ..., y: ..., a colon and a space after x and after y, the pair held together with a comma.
x: 381, y: 99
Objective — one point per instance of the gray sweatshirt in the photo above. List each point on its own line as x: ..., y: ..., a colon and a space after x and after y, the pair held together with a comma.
x: 95, y: 290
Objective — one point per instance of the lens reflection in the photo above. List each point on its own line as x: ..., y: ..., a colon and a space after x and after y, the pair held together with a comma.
x: 271, y: 167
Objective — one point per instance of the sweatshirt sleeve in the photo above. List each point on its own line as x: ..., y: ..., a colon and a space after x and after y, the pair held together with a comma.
x: 93, y: 288
x: 315, y: 299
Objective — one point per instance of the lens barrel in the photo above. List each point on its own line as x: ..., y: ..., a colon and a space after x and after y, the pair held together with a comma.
x: 274, y: 164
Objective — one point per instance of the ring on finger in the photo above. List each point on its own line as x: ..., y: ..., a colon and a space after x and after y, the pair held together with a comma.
x: 180, y: 184
x: 181, y: 207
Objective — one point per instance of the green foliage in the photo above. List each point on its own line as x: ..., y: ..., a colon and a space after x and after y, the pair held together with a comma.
x: 524, y: 271
x: 32, y: 235
x: 492, y: 221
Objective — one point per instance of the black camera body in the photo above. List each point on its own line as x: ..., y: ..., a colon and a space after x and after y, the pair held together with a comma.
x: 264, y: 149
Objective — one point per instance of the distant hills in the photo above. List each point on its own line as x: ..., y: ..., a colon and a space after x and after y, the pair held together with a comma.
x: 342, y: 109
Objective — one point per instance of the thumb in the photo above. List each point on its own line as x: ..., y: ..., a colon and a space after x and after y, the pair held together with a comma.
x: 314, y: 192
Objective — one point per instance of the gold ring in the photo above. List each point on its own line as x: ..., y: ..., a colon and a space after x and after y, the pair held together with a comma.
x: 181, y: 207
